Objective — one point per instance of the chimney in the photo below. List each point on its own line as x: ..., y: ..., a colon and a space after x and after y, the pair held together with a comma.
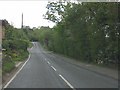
x: 22, y: 21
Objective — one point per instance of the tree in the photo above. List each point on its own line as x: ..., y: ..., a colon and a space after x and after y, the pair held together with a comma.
x: 85, y: 31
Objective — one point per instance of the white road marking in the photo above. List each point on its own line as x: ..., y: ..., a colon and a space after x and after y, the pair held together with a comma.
x: 66, y: 82
x: 48, y: 62
x: 45, y: 59
x: 88, y: 65
x: 53, y: 68
x: 17, y: 73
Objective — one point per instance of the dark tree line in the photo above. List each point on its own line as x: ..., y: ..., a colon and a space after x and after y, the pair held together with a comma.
x: 84, y: 31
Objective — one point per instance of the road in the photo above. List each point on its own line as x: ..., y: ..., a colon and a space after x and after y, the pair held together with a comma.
x: 45, y: 70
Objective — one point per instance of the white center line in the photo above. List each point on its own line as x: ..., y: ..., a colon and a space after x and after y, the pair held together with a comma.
x: 45, y: 59
x: 66, y: 82
x: 53, y: 68
x: 48, y: 62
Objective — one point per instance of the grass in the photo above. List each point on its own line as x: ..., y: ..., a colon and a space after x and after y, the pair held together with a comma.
x: 10, y: 59
x: 8, y: 67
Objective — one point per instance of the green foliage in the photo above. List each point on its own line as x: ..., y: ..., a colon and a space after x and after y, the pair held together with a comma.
x: 55, y: 11
x: 15, y: 44
x: 30, y: 34
x: 85, y: 31
x: 43, y: 35
x: 7, y: 64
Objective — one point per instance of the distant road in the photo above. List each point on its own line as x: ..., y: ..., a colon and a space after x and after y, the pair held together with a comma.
x: 45, y: 70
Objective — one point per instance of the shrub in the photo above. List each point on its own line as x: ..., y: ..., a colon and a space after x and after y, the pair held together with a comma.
x: 7, y: 63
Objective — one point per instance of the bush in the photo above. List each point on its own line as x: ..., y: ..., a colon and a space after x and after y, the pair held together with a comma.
x: 5, y: 44
x: 15, y: 44
x: 8, y: 64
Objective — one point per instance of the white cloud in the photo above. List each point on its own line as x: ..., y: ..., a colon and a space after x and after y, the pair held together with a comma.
x: 32, y: 11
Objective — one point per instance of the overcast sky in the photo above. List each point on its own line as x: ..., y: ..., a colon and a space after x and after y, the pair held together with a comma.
x: 32, y: 12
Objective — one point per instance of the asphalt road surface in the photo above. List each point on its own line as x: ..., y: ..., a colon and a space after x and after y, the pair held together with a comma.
x: 45, y: 70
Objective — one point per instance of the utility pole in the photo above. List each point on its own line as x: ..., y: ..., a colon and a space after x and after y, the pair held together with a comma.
x: 22, y: 22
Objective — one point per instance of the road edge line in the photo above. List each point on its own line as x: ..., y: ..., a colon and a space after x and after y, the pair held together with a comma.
x: 17, y: 72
